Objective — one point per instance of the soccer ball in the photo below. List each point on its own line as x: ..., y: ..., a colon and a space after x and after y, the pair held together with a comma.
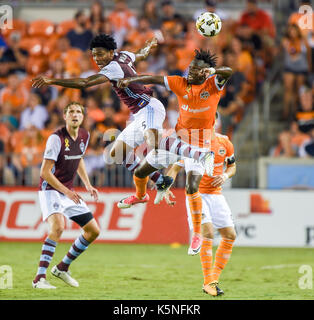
x: 208, y: 24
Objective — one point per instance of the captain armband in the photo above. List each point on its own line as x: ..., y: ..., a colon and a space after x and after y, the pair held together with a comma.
x: 230, y: 160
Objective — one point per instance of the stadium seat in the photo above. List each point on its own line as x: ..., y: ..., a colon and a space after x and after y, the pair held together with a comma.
x: 50, y: 45
x: 32, y: 45
x: 36, y: 65
x: 18, y: 25
x: 64, y: 27
x: 41, y: 28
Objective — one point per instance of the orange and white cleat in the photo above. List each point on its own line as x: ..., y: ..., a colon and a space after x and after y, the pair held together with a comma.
x: 212, y: 289
x: 196, y: 244
x: 132, y: 200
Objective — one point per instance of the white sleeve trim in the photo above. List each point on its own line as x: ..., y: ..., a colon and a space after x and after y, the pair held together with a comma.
x: 217, y: 86
x: 53, y: 147
x: 130, y: 54
x: 112, y: 71
x: 166, y: 83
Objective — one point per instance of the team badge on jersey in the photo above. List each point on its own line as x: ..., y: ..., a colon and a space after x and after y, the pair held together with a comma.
x: 82, y: 146
x: 222, y: 151
x: 204, y: 95
x: 67, y: 144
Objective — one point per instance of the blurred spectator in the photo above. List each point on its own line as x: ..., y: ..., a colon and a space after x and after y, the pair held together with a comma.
x: 93, y: 111
x: 12, y: 57
x: 27, y: 155
x: 211, y: 6
x: 150, y: 12
x: 7, y: 118
x: 137, y: 37
x: 35, y: 114
x: 15, y: 94
x: 97, y: 17
x: 123, y: 20
x: 46, y: 94
x: 69, y: 56
x: 307, y: 148
x: 305, y: 112
x: 172, y: 65
x: 289, y: 142
x: 297, y: 63
x: 258, y: 20
x: 232, y: 103
x: 80, y: 37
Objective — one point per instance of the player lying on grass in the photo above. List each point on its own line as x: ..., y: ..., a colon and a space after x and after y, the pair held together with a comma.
x: 198, y: 96
x: 149, y: 113
x: 215, y: 212
x: 63, y: 158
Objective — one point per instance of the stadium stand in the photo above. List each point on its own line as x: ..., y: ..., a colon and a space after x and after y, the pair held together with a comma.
x: 48, y: 47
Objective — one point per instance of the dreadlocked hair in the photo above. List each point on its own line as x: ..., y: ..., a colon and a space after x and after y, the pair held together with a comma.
x: 103, y: 41
x: 206, y: 56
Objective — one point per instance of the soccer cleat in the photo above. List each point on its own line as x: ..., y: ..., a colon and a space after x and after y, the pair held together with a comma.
x: 65, y: 276
x: 42, y: 283
x: 212, y: 289
x: 162, y: 188
x: 196, y: 244
x: 132, y: 200
x: 208, y: 162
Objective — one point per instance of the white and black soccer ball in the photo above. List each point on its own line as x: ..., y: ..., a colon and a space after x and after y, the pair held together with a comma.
x: 208, y: 24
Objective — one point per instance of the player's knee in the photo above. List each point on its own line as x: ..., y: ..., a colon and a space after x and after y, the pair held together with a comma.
x: 140, y: 173
x: 191, y: 187
x: 92, y: 234
x: 231, y: 235
x: 56, y: 231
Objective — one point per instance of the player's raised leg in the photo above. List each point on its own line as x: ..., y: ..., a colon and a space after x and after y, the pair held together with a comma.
x: 91, y: 232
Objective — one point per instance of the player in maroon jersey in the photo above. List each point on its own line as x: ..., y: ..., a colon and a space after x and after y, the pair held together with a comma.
x: 63, y: 158
x: 148, y: 112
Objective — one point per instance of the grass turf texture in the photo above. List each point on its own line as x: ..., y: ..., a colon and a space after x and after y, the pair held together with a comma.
x: 153, y: 272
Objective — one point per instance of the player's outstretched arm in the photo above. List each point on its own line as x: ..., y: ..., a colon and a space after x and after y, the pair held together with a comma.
x: 47, y: 175
x: 81, y: 170
x: 144, y: 52
x: 76, y: 83
x: 144, y: 79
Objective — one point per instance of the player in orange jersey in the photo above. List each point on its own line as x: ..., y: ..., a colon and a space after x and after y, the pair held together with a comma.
x: 198, y: 96
x: 215, y: 211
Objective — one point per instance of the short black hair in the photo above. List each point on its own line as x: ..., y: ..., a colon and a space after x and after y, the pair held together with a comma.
x: 206, y: 56
x: 103, y: 41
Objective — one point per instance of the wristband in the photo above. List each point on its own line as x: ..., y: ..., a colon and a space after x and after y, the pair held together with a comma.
x: 226, y: 175
x: 212, y: 70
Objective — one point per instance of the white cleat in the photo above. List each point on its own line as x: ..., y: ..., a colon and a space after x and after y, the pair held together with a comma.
x: 162, y: 189
x: 208, y: 162
x: 65, y: 276
x: 42, y: 283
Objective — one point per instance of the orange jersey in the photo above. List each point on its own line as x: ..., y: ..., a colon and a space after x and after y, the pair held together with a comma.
x: 224, y: 153
x: 198, y: 106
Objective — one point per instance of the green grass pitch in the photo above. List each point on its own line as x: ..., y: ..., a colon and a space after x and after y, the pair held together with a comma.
x: 158, y: 272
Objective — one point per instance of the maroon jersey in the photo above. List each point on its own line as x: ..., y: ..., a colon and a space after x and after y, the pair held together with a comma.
x: 67, y: 154
x: 136, y: 96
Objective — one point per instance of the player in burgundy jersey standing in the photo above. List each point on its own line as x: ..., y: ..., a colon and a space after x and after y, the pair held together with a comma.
x: 149, y: 113
x: 63, y: 158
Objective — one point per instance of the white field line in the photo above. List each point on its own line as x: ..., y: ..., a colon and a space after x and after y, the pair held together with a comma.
x: 281, y: 266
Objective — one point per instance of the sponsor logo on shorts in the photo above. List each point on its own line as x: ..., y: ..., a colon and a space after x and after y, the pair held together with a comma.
x: 56, y: 205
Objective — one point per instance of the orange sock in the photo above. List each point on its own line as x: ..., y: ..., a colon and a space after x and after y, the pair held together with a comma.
x: 206, y: 255
x: 140, y: 184
x: 222, y: 256
x: 195, y: 203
